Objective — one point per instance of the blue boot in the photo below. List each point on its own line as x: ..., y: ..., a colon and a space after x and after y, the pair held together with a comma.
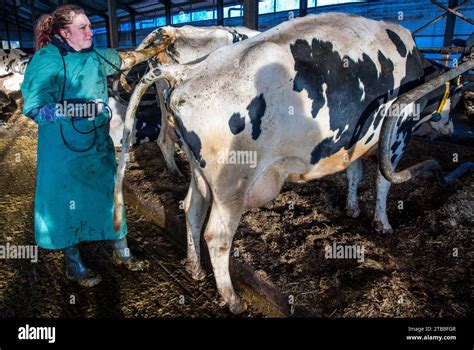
x: 76, y: 270
x: 121, y: 256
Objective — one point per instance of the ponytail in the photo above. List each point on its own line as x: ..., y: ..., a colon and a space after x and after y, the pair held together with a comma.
x: 43, y: 31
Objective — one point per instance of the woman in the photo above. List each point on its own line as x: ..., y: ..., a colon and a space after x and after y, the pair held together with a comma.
x: 64, y: 85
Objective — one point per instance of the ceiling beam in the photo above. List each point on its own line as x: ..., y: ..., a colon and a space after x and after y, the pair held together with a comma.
x: 18, y: 29
x: 8, y: 13
x: 12, y: 23
x: 50, y: 6
x: 92, y: 10
x: 125, y: 7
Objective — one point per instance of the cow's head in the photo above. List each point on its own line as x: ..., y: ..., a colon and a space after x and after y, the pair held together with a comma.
x: 442, y: 123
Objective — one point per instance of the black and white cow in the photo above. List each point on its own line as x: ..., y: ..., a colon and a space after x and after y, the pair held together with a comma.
x: 189, y: 43
x: 9, y: 62
x: 306, y: 98
x: 12, y: 69
x: 179, y: 45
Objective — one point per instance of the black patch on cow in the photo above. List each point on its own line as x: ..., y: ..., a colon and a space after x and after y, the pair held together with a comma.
x: 401, y: 48
x: 415, y: 75
x: 321, y: 150
x: 236, y: 36
x: 236, y: 123
x: 370, y: 138
x: 318, y: 64
x: 193, y: 141
x: 148, y: 124
x: 256, y: 110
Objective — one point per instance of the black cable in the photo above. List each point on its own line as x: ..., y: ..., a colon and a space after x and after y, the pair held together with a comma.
x: 119, y: 70
x: 94, y: 128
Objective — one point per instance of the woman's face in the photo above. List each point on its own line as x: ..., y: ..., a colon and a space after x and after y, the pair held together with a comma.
x: 78, y: 34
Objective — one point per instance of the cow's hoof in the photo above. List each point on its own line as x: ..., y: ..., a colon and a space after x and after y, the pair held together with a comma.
x: 380, y: 228
x: 238, y: 307
x: 197, y: 274
x: 353, y: 212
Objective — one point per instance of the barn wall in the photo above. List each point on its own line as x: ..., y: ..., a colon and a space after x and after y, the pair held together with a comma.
x: 411, y: 14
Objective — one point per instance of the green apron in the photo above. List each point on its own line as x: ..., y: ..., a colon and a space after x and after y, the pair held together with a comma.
x: 74, y: 190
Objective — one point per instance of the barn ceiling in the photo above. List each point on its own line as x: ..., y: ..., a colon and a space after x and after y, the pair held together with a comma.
x: 27, y: 11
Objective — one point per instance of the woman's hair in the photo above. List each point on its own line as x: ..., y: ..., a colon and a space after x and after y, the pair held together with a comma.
x: 50, y: 24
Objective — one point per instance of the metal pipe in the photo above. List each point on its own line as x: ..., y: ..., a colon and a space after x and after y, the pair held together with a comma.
x: 440, y: 17
x: 449, y: 31
x: 114, y: 38
x: 220, y: 12
x: 450, y: 50
x: 7, y: 31
x: 250, y: 14
x: 459, y: 14
x: 17, y: 22
x: 133, y: 28
x: 390, y: 123
x: 303, y: 8
x: 168, y: 12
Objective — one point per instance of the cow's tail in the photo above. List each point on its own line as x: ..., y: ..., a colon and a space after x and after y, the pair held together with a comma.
x: 396, y: 111
x: 149, y: 39
x: 147, y: 80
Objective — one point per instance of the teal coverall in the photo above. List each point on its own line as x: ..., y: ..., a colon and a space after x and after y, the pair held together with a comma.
x: 74, y: 190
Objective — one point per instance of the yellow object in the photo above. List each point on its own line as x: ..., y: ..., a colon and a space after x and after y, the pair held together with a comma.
x: 445, y: 97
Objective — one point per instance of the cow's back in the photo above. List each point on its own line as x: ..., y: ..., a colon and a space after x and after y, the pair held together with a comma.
x: 309, y: 88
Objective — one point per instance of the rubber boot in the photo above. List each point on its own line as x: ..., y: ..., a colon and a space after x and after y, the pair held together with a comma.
x: 76, y: 270
x: 122, y: 256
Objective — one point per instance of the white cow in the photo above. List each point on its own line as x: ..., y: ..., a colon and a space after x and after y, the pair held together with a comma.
x: 306, y: 98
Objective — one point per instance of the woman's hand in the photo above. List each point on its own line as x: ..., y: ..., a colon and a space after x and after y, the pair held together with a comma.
x: 100, y: 105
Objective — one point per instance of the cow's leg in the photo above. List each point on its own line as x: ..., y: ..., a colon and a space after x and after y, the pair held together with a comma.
x: 224, y: 219
x: 164, y: 141
x: 167, y: 149
x: 380, y: 222
x: 354, y: 175
x: 196, y: 206
x: 220, y: 229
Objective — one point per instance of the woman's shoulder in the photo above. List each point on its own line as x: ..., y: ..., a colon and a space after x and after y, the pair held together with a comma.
x: 47, y: 54
x: 43, y: 63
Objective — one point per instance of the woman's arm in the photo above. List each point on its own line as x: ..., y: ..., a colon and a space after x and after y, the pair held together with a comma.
x: 53, y: 113
x: 43, y: 80
x: 114, y: 61
x: 47, y: 114
x: 132, y: 58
